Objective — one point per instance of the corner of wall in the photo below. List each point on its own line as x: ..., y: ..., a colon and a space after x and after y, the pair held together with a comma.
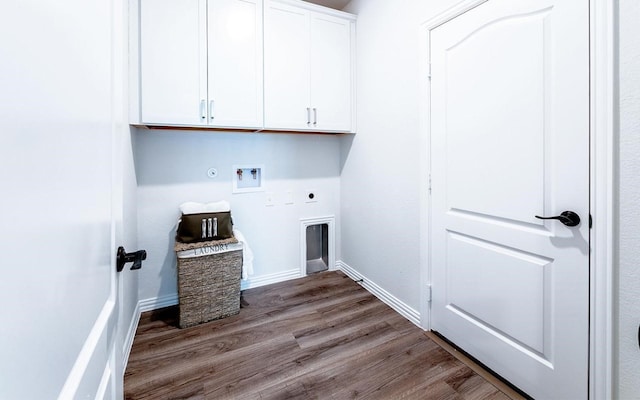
x: 398, y: 305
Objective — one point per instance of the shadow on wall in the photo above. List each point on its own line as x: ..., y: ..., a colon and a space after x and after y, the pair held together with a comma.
x: 346, y: 141
x: 174, y: 157
x: 168, y: 264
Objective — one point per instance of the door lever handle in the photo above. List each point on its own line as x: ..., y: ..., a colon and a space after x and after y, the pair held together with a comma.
x: 122, y: 257
x: 569, y: 218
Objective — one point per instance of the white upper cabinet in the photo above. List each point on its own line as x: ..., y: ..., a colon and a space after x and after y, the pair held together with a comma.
x: 286, y: 69
x: 331, y: 73
x: 309, y: 83
x: 235, y: 63
x: 201, y: 63
x: 172, y: 56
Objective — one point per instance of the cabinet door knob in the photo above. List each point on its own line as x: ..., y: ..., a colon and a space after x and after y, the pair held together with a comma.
x: 308, y: 115
x: 315, y: 116
x: 211, y: 104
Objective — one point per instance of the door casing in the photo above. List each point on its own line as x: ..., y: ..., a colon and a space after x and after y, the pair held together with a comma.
x: 603, y: 139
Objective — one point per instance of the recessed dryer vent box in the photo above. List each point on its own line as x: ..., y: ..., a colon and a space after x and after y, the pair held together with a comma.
x: 248, y: 178
x: 317, y: 242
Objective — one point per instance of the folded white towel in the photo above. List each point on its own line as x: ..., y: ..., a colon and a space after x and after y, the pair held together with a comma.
x: 247, y: 255
x: 191, y: 207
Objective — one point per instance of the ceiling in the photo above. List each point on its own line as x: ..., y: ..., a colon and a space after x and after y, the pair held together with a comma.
x: 337, y: 4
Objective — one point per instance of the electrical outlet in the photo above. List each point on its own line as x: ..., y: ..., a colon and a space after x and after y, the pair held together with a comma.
x: 288, y: 197
x: 269, y: 199
x: 311, y: 196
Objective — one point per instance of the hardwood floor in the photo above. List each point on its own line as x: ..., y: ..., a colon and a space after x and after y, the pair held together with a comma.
x: 320, y: 337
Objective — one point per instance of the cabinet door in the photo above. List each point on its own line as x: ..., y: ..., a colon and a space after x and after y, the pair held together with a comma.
x: 286, y: 67
x: 330, y: 49
x: 173, y: 62
x: 235, y: 63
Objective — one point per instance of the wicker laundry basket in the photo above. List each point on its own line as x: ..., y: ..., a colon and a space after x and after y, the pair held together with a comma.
x: 209, y: 276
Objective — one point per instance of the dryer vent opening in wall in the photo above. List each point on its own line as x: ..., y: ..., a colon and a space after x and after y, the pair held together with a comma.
x: 317, y: 238
x: 317, y: 241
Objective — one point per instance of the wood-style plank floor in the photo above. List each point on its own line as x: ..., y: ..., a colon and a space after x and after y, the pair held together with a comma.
x: 319, y: 337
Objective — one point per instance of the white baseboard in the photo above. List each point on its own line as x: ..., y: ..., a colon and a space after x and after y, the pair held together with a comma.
x: 131, y: 334
x: 155, y: 303
x: 403, y: 309
x: 262, y: 280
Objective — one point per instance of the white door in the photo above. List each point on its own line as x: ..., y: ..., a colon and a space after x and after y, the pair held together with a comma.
x: 235, y: 63
x: 509, y: 141
x: 57, y: 291
x: 286, y: 67
x: 330, y: 72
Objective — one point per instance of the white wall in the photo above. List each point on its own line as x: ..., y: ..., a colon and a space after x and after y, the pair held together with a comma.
x: 628, y: 353
x: 172, y: 166
x: 381, y: 175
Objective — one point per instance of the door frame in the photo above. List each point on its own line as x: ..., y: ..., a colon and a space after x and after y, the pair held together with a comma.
x: 603, y: 208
